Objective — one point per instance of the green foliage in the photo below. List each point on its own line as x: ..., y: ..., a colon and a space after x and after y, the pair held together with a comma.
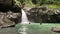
x: 54, y: 6
x: 39, y: 2
x: 26, y: 2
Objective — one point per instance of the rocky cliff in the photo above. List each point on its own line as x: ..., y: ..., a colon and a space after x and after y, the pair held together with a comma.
x: 44, y: 15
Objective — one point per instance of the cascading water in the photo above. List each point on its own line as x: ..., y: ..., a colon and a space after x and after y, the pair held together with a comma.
x: 24, y: 19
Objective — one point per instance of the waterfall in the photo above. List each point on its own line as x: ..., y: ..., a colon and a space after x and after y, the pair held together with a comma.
x: 24, y: 19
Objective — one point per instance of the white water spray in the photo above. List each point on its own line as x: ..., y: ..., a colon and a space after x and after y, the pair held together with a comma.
x: 24, y: 19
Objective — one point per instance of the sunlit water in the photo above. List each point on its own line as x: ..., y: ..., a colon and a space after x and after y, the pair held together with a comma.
x: 24, y: 19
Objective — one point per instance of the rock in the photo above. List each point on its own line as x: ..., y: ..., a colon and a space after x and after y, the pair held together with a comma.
x: 9, y: 19
x: 16, y: 17
x: 55, y: 29
x: 13, y: 15
x: 7, y: 23
x: 44, y: 14
x: 4, y: 21
x: 6, y: 2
